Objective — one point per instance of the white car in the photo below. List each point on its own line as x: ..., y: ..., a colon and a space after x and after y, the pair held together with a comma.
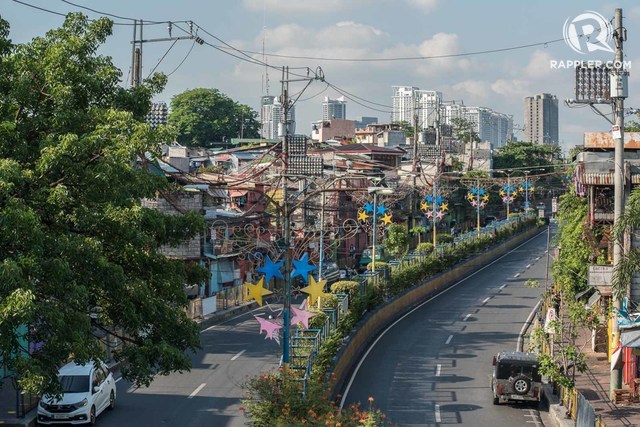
x: 87, y: 390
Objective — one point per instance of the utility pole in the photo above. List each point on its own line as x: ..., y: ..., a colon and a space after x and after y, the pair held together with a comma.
x: 414, y: 167
x: 286, y: 315
x: 618, y: 93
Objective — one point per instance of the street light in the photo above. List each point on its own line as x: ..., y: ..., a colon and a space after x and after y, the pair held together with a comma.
x: 375, y: 191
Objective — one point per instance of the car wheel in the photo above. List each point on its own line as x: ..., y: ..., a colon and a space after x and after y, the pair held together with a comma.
x: 92, y: 416
x: 496, y: 400
x: 112, y: 400
x: 521, y: 384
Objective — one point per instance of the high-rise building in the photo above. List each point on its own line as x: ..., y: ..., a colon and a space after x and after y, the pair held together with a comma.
x: 541, y: 119
x: 271, y: 118
x: 491, y: 126
x: 334, y: 109
x: 405, y: 101
x: 364, y: 121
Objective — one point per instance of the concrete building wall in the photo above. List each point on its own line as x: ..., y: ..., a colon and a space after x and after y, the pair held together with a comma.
x: 541, y: 124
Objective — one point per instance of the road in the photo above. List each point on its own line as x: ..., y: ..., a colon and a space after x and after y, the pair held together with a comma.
x: 210, y: 394
x: 433, y: 366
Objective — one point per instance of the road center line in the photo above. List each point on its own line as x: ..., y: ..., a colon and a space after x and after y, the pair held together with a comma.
x: 466, y: 317
x: 438, y: 368
x: 517, y: 275
x: 118, y: 379
x: 238, y: 355
x: 503, y: 286
x: 528, y: 266
x: 437, y: 413
x: 449, y: 339
x: 486, y: 300
x: 197, y: 390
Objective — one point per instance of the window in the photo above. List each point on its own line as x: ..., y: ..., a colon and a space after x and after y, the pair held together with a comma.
x: 98, y: 377
x: 74, y: 383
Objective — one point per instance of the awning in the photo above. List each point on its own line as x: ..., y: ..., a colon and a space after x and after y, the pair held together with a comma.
x: 237, y: 193
x: 630, y: 337
x: 222, y: 158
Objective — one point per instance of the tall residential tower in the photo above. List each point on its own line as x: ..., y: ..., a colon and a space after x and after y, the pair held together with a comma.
x: 334, y: 109
x: 541, y: 119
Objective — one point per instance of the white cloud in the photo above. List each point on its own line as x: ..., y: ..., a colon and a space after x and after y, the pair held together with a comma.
x: 514, y: 88
x: 425, y: 6
x: 476, y: 88
x: 538, y: 65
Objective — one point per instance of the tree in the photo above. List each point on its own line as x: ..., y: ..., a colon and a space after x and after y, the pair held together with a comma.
x: 406, y: 127
x: 629, y: 265
x: 204, y: 116
x: 525, y: 155
x: 397, y: 240
x: 465, y: 131
x: 79, y: 255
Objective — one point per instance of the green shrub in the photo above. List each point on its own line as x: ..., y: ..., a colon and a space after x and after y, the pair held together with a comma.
x: 444, y: 238
x: 349, y: 287
x: 425, y: 248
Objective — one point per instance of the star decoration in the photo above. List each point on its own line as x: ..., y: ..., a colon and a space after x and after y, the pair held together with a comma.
x: 533, y: 188
x: 302, y: 268
x: 271, y: 269
x: 270, y: 328
x: 315, y: 289
x: 382, y: 209
x: 424, y: 206
x: 362, y: 216
x: 482, y: 205
x: 368, y: 207
x: 257, y: 291
x: 505, y: 199
x: 386, y: 219
x: 301, y: 316
x: 444, y: 207
x: 429, y: 214
x: 470, y: 196
x: 485, y: 198
x: 429, y: 199
x: 440, y: 214
x: 502, y: 193
x: 474, y: 203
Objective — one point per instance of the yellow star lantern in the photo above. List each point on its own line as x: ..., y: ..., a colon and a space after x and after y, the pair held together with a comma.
x: 485, y: 198
x: 514, y: 193
x: 362, y: 216
x: 424, y: 206
x: 386, y: 219
x: 257, y: 291
x: 314, y: 289
x: 533, y: 188
x: 470, y: 197
x: 444, y: 207
x: 502, y: 193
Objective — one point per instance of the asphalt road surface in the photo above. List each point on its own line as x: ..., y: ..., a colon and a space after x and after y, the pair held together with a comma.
x: 210, y: 394
x: 433, y: 366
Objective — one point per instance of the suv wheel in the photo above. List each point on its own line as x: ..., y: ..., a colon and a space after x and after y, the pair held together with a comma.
x: 521, y: 384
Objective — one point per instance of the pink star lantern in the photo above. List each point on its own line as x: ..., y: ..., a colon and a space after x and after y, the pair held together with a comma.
x: 429, y: 214
x: 269, y: 327
x: 504, y: 199
x: 474, y: 203
x: 301, y: 316
x: 439, y: 214
x: 482, y: 204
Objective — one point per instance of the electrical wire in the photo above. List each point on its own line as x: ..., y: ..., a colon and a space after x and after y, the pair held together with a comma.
x: 147, y: 22
x: 183, y: 59
x: 163, y: 56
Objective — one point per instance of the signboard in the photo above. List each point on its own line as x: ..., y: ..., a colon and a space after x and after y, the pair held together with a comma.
x: 551, y: 317
x: 540, y: 213
x: 605, y: 140
x: 554, y: 205
x: 615, y: 132
x: 599, y: 276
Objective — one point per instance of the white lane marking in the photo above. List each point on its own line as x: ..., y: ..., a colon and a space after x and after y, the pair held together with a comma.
x: 449, y: 339
x: 466, y: 317
x: 388, y: 328
x: 503, y: 286
x: 528, y: 266
x: 118, y: 379
x: 517, y: 275
x: 538, y: 259
x: 197, y: 390
x: 438, y: 368
x: 486, y: 300
x: 238, y: 355
x: 437, y: 411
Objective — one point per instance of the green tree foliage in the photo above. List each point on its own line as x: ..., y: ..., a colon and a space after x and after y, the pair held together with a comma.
x: 406, y: 127
x: 204, y: 116
x: 465, y: 131
x: 78, y: 254
x: 570, y: 268
x: 397, y: 240
x: 525, y: 155
x: 629, y: 265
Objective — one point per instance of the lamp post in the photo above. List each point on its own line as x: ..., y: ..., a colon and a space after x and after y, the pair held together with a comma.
x: 526, y: 190
x: 375, y: 191
x: 509, y: 172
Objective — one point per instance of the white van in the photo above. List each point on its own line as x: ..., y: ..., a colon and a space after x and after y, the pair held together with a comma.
x: 87, y: 390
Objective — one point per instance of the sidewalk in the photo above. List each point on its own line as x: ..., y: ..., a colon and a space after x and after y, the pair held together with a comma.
x: 8, y: 414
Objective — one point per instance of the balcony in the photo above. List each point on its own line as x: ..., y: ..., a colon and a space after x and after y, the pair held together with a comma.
x: 220, y: 249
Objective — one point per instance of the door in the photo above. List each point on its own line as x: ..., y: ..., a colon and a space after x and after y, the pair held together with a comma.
x: 101, y: 397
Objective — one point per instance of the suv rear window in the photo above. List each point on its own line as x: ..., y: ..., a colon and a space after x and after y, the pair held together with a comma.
x: 74, y: 383
x: 508, y: 369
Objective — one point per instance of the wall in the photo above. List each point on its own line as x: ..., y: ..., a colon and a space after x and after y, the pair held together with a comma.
x: 369, y: 328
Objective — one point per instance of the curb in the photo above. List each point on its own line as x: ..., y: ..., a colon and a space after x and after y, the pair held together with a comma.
x: 219, y: 317
x: 556, y: 410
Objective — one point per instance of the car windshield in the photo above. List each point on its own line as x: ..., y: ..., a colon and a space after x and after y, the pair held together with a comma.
x: 74, y: 383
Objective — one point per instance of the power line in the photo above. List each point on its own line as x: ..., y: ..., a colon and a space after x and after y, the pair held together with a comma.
x: 183, y: 59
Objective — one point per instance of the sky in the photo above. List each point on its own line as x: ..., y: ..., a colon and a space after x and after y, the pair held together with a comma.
x: 360, y: 29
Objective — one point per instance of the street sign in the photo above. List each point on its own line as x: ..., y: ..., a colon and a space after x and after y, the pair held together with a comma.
x: 554, y: 205
x: 551, y: 317
x: 615, y: 132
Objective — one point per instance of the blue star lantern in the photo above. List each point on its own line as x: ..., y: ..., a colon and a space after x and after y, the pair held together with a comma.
x: 368, y: 207
x: 302, y: 268
x: 271, y: 269
x: 382, y: 209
